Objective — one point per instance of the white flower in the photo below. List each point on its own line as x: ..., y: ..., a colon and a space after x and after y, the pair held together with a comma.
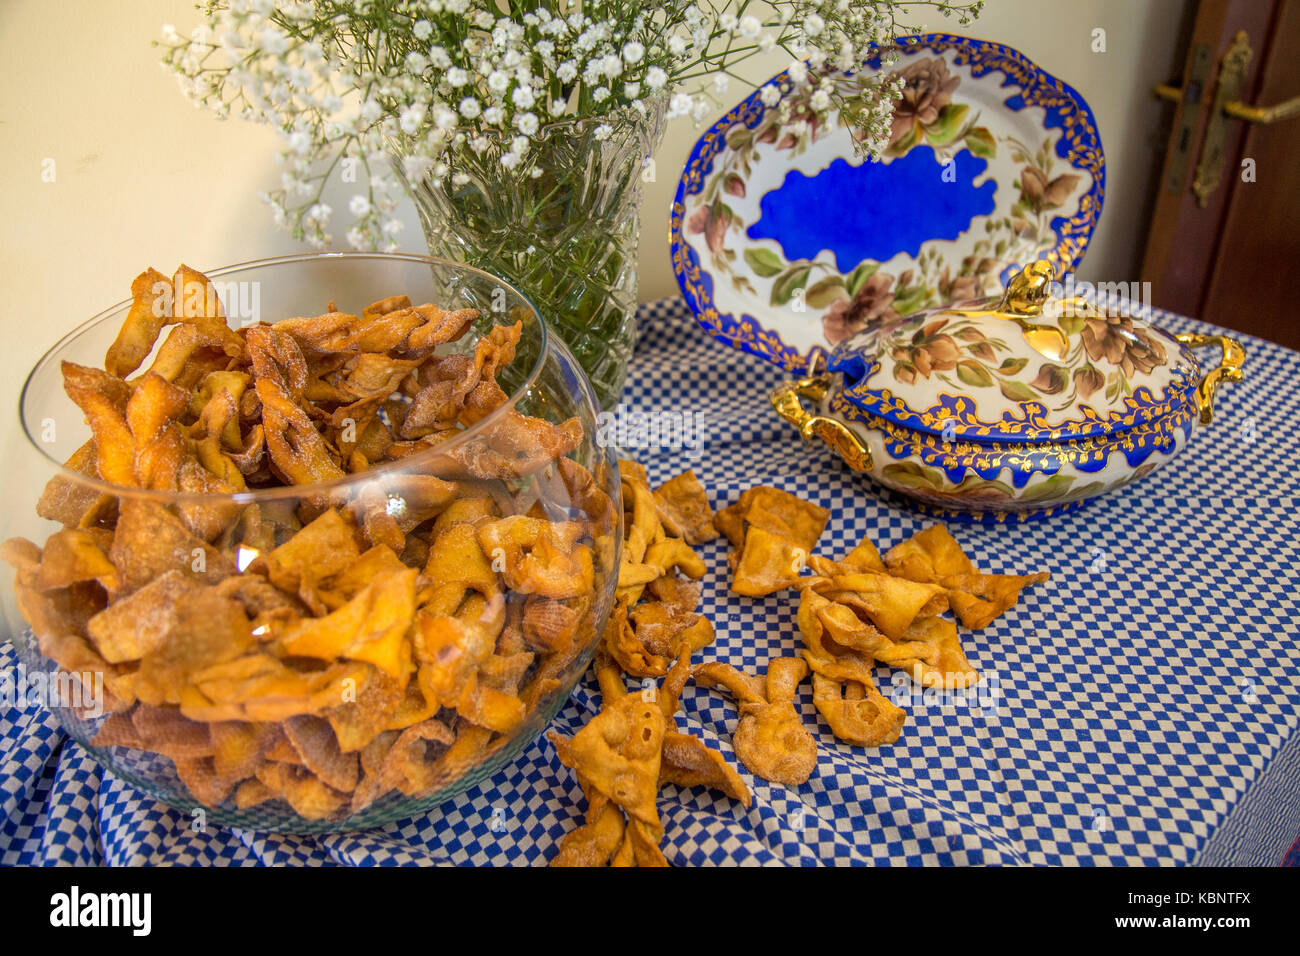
x: 456, y: 77
x: 411, y: 118
x: 603, y: 131
x: 677, y: 45
x: 611, y: 66
x: 750, y: 26
x: 459, y: 179
x: 498, y: 81
x: 797, y: 71
x: 493, y: 115
x: 522, y: 97
x: 393, y: 226
x: 299, y: 142
x: 319, y: 212
x: 767, y: 42
x: 567, y: 72
x: 511, y: 160
x: 633, y: 51
x: 414, y: 168
x: 422, y: 29
x: 680, y: 105
x: 655, y: 78
x: 821, y: 101
x: 272, y: 41
x: 526, y: 123
x: 720, y: 83
x: 438, y: 57
x: 445, y: 118
x: 359, y: 205
x: 469, y: 107
x: 631, y: 90
x: 727, y: 21
x: 813, y: 25
x: 600, y: 94
x: 371, y: 110
x: 770, y: 95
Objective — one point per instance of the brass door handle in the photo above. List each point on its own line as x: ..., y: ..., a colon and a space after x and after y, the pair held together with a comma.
x: 1226, y: 107
x: 1263, y: 115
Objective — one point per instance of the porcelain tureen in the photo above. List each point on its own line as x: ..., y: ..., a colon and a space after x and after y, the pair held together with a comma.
x: 999, y: 410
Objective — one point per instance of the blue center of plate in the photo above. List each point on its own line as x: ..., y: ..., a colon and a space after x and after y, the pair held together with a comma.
x: 874, y: 210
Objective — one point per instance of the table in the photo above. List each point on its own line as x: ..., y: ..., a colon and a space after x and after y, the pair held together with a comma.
x: 1146, y: 708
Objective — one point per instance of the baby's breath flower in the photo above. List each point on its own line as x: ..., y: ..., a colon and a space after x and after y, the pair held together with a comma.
x: 431, y: 83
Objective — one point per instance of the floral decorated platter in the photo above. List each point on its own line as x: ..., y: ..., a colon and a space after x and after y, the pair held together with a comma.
x: 1025, y: 406
x: 786, y: 243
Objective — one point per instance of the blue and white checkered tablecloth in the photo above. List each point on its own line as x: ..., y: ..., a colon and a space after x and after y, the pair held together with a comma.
x: 1146, y: 706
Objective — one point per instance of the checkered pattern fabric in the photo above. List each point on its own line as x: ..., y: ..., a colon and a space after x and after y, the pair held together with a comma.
x: 1141, y: 708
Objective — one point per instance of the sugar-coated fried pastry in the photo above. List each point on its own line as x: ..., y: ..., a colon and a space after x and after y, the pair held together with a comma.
x: 770, y: 738
x: 857, y: 713
x: 779, y: 512
x: 977, y: 599
x: 684, y: 509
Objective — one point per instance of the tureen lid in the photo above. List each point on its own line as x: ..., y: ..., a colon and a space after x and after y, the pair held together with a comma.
x: 1029, y: 367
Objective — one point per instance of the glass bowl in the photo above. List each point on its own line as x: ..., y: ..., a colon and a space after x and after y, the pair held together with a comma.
x: 330, y: 654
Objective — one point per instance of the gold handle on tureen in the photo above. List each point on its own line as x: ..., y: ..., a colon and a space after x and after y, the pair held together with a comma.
x: 1228, y: 370
x: 787, y: 399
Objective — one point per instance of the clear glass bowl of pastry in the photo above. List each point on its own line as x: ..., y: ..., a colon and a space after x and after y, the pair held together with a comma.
x: 313, y: 543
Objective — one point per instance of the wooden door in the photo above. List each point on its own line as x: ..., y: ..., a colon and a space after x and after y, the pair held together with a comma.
x: 1223, y: 247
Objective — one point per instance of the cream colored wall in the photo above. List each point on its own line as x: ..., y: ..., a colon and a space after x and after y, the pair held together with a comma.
x: 142, y: 178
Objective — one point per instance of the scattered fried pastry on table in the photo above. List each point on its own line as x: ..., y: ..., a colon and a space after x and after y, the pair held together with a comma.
x: 651, y: 634
x: 863, y: 609
x: 332, y: 647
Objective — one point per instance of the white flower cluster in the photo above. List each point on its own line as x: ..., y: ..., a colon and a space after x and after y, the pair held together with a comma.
x: 351, y: 85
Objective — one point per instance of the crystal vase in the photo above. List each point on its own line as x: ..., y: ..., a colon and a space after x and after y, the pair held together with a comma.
x: 562, y: 226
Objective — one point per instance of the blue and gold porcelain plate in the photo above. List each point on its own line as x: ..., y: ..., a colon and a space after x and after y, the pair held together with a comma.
x: 785, y: 243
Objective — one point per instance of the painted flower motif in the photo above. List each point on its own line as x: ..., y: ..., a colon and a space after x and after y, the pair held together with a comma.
x: 1088, y: 380
x: 1050, y: 380
x: 927, y: 88
x: 1114, y: 339
x: 930, y: 350
x: 871, y: 307
x: 960, y: 287
x: 1039, y: 193
x: 712, y: 223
